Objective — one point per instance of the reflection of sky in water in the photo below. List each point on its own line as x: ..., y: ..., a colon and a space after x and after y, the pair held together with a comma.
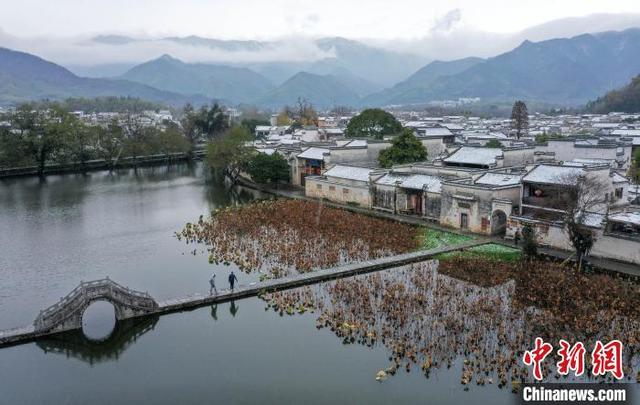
x: 237, y: 352
x: 98, y: 320
x: 82, y: 227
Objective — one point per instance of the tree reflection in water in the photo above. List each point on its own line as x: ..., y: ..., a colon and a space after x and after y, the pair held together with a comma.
x: 480, y: 312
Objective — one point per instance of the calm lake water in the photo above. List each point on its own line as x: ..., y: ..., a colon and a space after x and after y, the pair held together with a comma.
x: 83, y: 227
x: 235, y: 353
x: 69, y: 228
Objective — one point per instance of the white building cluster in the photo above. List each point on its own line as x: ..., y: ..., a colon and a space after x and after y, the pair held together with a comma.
x: 487, y: 190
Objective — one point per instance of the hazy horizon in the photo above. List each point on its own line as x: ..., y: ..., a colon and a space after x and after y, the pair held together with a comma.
x: 63, y: 31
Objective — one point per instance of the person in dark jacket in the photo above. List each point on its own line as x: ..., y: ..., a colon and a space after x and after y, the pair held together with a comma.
x: 232, y: 279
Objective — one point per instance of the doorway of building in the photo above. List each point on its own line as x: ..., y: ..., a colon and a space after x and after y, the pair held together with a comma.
x: 498, y: 223
x: 464, y: 220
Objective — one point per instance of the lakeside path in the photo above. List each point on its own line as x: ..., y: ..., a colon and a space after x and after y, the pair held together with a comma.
x: 614, y: 266
x: 28, y: 333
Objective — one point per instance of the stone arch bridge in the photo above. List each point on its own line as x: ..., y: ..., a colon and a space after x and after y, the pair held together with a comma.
x: 67, y: 313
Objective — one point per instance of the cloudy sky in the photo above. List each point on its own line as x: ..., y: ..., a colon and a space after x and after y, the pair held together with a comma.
x: 276, y: 18
x: 439, y: 29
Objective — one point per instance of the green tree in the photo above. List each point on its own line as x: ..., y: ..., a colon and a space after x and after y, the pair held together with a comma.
x: 493, y: 143
x: 12, y: 150
x: 82, y: 142
x: 137, y: 138
x: 519, y: 119
x: 105, y: 104
x: 373, y: 123
x: 634, y: 169
x: 43, y: 134
x: 265, y: 169
x: 251, y: 123
x: 169, y: 141
x: 190, y: 128
x: 230, y: 152
x: 212, y: 121
x: 110, y: 142
x: 545, y: 137
x: 405, y: 148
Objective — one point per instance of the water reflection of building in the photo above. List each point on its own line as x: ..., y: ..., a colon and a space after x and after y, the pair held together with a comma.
x: 75, y: 344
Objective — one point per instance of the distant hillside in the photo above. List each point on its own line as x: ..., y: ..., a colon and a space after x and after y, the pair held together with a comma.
x: 626, y: 99
x: 567, y: 70
x: 373, y: 64
x: 376, y: 65
x: 416, y: 84
x: 25, y: 77
x: 321, y: 90
x: 362, y: 87
x: 228, y: 83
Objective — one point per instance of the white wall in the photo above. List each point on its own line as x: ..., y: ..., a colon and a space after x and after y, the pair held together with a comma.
x: 318, y: 187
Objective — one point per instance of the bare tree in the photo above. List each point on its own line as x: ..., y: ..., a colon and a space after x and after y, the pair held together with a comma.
x: 305, y: 113
x: 584, y: 199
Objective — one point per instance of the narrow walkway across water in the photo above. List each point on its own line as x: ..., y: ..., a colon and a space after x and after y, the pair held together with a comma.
x: 21, y: 335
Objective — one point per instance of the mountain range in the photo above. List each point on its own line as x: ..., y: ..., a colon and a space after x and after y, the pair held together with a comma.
x: 25, y: 77
x: 325, y: 55
x: 321, y: 90
x: 226, y: 83
x: 564, y: 71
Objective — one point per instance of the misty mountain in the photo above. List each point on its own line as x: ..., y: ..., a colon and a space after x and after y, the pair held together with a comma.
x: 25, y: 77
x: 113, y: 39
x: 376, y: 65
x: 278, y: 72
x: 625, y: 99
x: 422, y: 79
x: 362, y: 87
x: 566, y: 70
x: 229, y: 83
x: 322, y: 91
x: 107, y: 70
x: 229, y: 45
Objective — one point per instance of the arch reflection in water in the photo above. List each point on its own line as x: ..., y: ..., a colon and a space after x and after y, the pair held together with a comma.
x: 75, y: 344
x: 99, y: 320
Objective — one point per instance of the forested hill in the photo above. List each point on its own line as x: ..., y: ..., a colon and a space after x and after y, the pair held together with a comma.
x: 25, y: 77
x: 625, y: 99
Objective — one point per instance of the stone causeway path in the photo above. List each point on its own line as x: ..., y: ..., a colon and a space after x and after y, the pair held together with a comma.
x: 20, y: 335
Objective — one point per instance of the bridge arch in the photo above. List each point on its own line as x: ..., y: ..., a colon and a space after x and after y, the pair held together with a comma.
x: 67, y: 313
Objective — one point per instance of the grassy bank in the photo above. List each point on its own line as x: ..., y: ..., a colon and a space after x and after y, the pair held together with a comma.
x: 433, y: 239
x: 489, y: 251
